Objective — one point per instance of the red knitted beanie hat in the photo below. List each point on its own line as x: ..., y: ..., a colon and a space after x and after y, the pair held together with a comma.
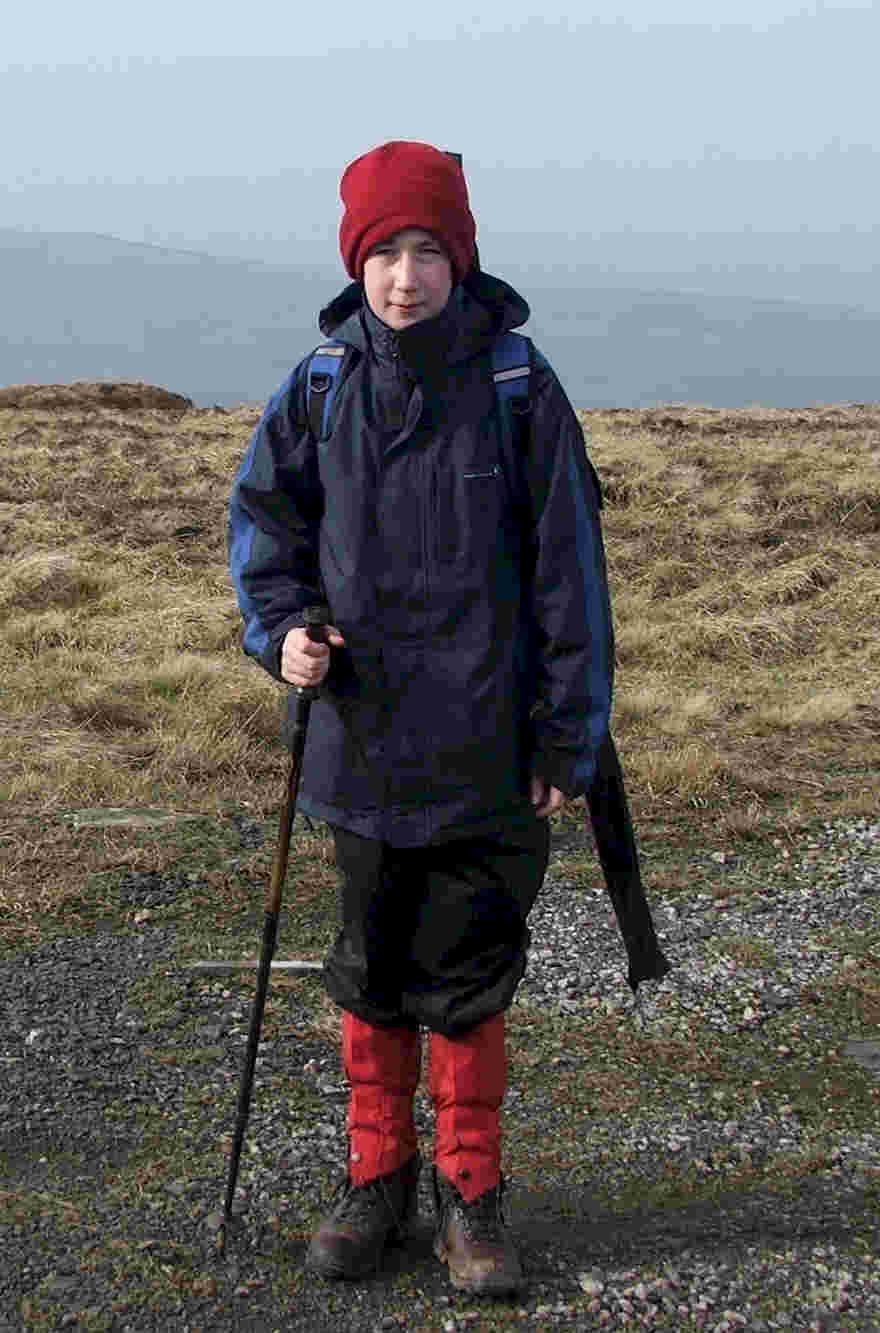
x: 401, y: 185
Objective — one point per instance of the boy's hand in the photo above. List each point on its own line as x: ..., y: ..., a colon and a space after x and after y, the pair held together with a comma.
x: 546, y: 799
x: 304, y: 662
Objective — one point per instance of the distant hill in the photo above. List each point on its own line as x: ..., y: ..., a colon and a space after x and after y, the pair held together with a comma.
x: 220, y: 330
x: 80, y: 306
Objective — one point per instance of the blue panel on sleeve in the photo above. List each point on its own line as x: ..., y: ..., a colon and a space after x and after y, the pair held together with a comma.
x: 597, y: 612
x: 241, y: 540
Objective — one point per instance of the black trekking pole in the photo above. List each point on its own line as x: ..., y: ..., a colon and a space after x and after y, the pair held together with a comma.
x: 316, y: 619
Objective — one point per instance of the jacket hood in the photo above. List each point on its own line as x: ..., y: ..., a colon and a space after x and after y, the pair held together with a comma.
x: 479, y: 309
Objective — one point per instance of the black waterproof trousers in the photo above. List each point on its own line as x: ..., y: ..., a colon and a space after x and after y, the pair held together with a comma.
x: 435, y: 935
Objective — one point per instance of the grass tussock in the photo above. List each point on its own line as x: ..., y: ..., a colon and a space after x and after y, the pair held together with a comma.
x: 47, y: 579
x: 742, y: 550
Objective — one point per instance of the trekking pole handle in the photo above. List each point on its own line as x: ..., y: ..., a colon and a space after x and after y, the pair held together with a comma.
x: 315, y: 620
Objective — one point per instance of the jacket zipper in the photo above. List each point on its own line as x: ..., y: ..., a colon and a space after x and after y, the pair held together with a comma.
x: 430, y: 506
x: 481, y: 476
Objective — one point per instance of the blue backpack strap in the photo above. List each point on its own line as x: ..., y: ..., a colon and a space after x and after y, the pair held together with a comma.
x: 325, y: 365
x: 513, y: 359
x: 512, y: 373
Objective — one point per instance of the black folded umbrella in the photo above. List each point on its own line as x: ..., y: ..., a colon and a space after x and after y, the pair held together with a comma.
x: 619, y: 858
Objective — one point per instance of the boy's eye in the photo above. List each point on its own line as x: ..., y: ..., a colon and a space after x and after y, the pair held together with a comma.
x: 390, y: 253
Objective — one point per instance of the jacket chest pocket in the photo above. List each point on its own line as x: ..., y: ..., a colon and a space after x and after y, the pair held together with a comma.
x: 470, y: 504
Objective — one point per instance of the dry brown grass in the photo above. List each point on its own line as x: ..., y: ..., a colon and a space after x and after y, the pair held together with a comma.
x: 743, y: 552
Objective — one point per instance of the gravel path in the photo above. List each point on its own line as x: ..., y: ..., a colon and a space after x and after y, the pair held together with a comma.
x: 118, y: 1078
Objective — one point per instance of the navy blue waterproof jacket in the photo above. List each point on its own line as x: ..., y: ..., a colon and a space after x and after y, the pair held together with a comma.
x: 478, y: 639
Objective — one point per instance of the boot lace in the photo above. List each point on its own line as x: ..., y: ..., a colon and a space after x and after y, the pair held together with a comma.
x: 481, y: 1219
x: 361, y: 1203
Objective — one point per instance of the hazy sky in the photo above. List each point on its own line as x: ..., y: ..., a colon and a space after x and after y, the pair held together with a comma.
x: 226, y: 125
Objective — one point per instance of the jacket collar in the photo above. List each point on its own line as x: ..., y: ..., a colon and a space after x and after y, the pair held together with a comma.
x: 421, y: 347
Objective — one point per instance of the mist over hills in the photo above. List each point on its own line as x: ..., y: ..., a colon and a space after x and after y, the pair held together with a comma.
x: 80, y: 306
x: 225, y: 330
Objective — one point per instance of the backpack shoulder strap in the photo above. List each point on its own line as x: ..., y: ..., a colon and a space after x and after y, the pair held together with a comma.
x: 512, y: 373
x: 513, y: 360
x: 324, y: 374
x: 512, y: 369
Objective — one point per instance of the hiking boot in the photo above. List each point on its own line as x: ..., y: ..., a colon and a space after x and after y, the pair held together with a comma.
x: 473, y: 1240
x: 363, y: 1219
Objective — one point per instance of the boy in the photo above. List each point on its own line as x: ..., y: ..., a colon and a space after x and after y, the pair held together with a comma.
x: 466, y: 685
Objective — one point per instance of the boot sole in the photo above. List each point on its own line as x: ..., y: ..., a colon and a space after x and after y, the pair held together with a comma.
x: 337, y: 1272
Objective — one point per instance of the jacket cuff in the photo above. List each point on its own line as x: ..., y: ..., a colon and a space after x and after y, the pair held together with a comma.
x: 562, y: 771
x: 272, y: 655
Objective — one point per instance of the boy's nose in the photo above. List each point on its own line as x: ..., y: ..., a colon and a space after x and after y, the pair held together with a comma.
x: 405, y: 271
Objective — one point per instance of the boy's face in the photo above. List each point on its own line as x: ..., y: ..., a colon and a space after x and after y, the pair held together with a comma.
x: 407, y: 278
